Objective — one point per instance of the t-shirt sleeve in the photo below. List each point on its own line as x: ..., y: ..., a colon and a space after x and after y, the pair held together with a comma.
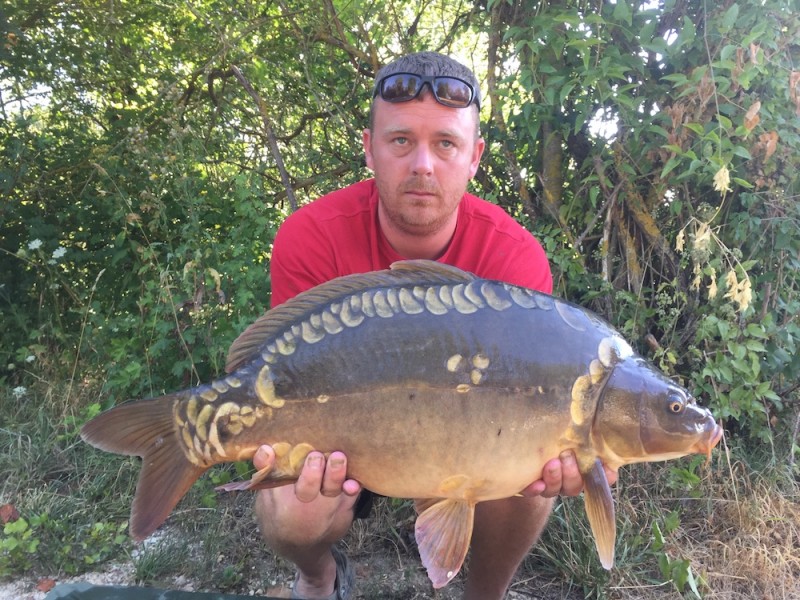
x: 302, y: 258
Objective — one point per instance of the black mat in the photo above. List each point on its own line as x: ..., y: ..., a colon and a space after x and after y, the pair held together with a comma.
x: 87, y: 591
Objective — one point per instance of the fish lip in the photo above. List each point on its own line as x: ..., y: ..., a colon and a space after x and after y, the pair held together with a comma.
x: 706, y: 445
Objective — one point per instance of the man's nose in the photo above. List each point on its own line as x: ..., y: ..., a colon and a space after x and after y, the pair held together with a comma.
x: 423, y: 160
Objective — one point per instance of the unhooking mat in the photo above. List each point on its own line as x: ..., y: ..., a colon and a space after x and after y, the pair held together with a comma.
x: 87, y: 591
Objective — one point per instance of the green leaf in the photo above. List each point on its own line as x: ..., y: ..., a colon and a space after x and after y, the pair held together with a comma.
x: 695, y: 127
x: 687, y: 34
x: 756, y: 330
x: 623, y: 12
x: 678, y: 78
x: 729, y: 20
x: 724, y: 121
x: 658, y: 537
x: 671, y: 164
x: 693, y: 585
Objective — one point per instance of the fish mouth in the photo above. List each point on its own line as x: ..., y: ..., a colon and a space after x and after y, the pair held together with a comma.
x: 706, y: 445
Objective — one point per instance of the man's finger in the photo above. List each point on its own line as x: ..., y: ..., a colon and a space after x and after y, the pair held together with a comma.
x: 264, y: 457
x: 571, y: 479
x: 308, y: 485
x: 551, y: 475
x: 335, y: 475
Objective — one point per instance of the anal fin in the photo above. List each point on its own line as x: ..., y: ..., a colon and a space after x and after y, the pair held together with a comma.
x: 600, y: 511
x: 443, y: 532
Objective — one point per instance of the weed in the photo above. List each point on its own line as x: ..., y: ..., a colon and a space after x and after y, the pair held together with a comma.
x: 156, y: 561
x: 678, y: 571
x: 18, y: 544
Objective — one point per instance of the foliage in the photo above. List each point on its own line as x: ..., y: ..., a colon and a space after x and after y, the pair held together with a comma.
x: 150, y: 151
x: 52, y: 489
x: 681, y: 222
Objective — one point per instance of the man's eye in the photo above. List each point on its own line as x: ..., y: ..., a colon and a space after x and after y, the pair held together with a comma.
x: 401, y: 141
x: 447, y: 144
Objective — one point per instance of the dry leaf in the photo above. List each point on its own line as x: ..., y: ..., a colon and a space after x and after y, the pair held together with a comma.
x: 46, y: 584
x: 751, y: 117
x: 768, y: 142
x: 8, y: 513
x: 754, y: 48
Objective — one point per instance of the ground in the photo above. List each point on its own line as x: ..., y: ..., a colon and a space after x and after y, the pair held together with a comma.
x: 382, y: 553
x: 381, y: 576
x: 737, y: 538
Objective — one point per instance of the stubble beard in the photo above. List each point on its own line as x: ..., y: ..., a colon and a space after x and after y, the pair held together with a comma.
x: 420, y: 217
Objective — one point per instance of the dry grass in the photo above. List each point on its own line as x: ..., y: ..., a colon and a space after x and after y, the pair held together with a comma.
x: 747, y: 548
x: 741, y: 538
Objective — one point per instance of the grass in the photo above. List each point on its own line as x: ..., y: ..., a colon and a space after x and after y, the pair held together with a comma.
x: 728, y: 530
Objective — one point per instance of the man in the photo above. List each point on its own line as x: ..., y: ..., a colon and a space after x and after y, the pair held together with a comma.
x: 423, y: 145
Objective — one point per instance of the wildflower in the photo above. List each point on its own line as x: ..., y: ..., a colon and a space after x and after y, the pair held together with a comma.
x: 35, y: 244
x: 30, y: 358
x: 722, y: 180
x: 680, y: 241
x: 698, y: 277
x: 712, y: 289
x: 19, y: 391
x: 59, y: 252
x: 702, y: 237
x: 740, y: 292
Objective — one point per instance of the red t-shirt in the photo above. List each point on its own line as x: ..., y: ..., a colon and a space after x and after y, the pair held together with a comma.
x: 338, y: 234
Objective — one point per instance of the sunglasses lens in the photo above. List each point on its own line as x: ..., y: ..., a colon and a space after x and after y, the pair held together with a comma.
x: 400, y: 88
x: 403, y: 87
x: 452, y: 92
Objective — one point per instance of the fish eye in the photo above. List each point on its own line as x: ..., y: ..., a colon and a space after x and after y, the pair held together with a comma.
x: 676, y: 404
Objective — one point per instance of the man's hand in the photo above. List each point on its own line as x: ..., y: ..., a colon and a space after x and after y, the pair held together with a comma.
x: 560, y: 476
x: 318, y: 476
x: 321, y: 498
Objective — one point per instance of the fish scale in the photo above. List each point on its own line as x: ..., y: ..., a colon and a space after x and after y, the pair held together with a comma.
x: 436, y: 384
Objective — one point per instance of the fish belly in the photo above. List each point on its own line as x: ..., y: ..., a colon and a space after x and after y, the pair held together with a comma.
x: 419, y: 441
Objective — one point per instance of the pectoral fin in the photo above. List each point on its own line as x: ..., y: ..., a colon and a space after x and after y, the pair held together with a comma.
x: 443, y: 533
x: 600, y: 511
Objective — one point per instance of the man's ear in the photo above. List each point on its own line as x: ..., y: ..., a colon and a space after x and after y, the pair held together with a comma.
x: 366, y: 139
x: 480, y: 146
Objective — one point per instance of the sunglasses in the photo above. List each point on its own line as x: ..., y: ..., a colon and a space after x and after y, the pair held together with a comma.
x: 448, y: 91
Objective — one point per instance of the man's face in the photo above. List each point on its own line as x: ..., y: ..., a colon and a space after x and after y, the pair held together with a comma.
x: 422, y: 154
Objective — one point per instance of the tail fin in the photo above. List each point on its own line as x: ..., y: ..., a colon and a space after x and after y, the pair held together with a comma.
x: 146, y: 428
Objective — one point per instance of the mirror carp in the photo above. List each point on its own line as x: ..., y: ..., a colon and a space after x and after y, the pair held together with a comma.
x: 409, y: 371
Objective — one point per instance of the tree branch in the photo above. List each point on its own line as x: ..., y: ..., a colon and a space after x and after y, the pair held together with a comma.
x: 270, y: 133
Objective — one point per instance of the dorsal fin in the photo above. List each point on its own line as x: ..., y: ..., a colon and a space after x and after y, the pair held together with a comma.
x: 407, y: 272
